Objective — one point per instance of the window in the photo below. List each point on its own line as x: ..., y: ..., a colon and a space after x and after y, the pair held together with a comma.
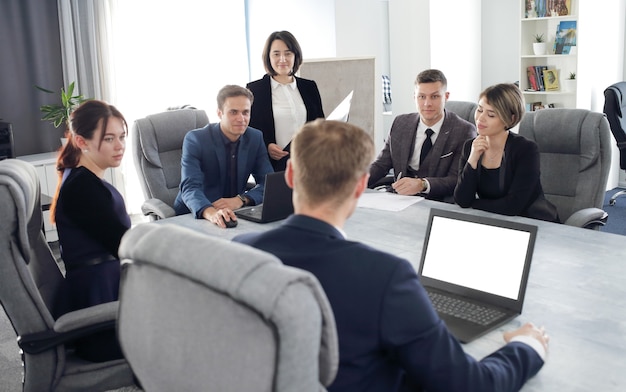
x: 172, y: 54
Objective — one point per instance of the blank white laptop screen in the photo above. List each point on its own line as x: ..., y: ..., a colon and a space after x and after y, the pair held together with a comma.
x: 478, y: 256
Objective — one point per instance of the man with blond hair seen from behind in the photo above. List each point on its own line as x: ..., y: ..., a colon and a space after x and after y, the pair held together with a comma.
x: 390, y: 337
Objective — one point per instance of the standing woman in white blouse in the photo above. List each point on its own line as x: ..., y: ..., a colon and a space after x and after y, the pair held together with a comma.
x: 283, y: 102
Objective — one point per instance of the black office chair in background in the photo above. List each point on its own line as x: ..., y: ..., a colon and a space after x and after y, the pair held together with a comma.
x: 7, y: 149
x: 615, y: 110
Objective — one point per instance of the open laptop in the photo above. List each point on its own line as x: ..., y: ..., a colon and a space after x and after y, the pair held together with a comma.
x: 480, y: 262
x: 276, y: 204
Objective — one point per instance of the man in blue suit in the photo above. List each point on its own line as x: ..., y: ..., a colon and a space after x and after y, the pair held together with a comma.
x: 390, y: 337
x: 217, y: 161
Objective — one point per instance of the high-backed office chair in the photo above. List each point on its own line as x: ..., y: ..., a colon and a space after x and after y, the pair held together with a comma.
x: 615, y: 110
x: 463, y: 109
x: 157, y: 150
x: 575, y: 151
x: 199, y: 313
x: 29, y: 279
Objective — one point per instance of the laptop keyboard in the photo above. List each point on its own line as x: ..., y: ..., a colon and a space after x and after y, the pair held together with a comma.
x: 459, y: 308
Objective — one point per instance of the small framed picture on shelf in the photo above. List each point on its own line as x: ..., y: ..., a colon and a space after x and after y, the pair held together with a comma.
x: 537, y: 106
x: 551, y: 79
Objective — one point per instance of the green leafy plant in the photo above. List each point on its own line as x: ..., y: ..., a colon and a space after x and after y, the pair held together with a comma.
x: 60, y: 114
x: 538, y: 38
x: 572, y: 76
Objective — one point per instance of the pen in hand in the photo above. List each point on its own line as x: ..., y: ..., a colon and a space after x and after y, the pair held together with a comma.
x: 398, y: 177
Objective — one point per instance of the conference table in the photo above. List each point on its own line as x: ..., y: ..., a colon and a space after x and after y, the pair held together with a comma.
x: 577, y: 289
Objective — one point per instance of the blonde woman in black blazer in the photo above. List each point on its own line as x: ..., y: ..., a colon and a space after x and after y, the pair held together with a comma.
x: 283, y: 102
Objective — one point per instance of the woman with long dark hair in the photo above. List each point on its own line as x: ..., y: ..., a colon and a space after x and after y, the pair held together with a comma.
x: 91, y: 217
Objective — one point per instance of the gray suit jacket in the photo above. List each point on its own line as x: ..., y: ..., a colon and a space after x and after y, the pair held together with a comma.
x: 440, y: 166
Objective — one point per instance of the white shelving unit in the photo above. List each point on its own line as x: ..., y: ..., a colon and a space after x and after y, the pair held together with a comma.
x: 565, y: 96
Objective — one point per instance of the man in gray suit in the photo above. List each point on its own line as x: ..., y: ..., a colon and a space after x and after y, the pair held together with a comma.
x: 424, y: 148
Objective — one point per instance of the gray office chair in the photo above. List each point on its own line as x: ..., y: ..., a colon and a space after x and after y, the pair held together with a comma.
x: 615, y: 110
x: 157, y: 150
x: 29, y: 281
x: 200, y: 313
x: 463, y: 109
x: 574, y: 145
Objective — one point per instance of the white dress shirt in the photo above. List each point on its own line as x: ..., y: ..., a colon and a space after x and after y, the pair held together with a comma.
x: 289, y: 111
x: 419, y: 140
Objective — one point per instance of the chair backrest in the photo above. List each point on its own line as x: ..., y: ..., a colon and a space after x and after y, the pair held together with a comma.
x: 29, y: 274
x: 157, y: 150
x: 615, y: 110
x: 463, y: 109
x: 202, y: 313
x: 575, y: 151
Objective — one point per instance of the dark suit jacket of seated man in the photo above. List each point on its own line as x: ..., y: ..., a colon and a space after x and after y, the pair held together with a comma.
x: 390, y: 336
x: 440, y: 167
x: 203, y: 168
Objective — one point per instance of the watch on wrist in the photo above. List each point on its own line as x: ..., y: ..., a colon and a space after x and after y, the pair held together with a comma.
x: 243, y: 199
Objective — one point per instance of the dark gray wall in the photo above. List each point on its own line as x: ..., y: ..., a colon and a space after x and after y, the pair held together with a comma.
x: 30, y: 53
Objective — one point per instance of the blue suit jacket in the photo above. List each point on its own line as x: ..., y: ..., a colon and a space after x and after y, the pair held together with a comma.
x: 387, y: 327
x: 203, y: 168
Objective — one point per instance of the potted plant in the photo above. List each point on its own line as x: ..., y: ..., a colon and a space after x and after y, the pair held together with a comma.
x: 60, y: 114
x: 539, y: 46
x: 569, y: 84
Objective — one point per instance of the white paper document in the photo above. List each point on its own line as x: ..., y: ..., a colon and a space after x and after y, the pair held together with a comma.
x: 387, y: 201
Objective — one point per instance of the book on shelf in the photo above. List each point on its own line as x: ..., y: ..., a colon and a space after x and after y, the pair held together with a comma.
x: 565, y: 37
x: 544, y: 8
x: 539, y: 75
x: 532, y: 78
x: 551, y: 79
x: 559, y: 7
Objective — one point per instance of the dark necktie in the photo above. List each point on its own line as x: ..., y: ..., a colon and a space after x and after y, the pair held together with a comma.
x: 428, y: 143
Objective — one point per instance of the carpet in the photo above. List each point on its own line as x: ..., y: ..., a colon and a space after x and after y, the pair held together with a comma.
x: 616, y: 223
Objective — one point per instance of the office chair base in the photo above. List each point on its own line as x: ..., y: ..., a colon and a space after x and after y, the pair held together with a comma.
x: 615, y: 196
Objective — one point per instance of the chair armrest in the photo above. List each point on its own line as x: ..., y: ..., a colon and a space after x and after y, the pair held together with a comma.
x: 157, y: 208
x: 71, y: 326
x: 588, y: 218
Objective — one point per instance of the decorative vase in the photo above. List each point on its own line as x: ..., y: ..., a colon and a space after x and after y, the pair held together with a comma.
x: 569, y: 85
x: 539, y: 48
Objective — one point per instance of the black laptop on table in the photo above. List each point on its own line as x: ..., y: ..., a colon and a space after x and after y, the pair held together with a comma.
x: 475, y: 270
x: 277, y: 203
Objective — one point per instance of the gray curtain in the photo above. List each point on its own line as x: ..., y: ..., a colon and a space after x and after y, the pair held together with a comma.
x: 31, y: 55
x: 85, y: 27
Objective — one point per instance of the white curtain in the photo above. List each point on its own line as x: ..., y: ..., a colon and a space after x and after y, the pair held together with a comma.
x: 145, y: 56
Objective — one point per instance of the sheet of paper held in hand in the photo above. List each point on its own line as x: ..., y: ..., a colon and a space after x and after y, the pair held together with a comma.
x: 387, y: 201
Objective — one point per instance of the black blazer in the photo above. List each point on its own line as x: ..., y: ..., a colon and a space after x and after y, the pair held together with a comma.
x: 520, y: 188
x: 262, y: 114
